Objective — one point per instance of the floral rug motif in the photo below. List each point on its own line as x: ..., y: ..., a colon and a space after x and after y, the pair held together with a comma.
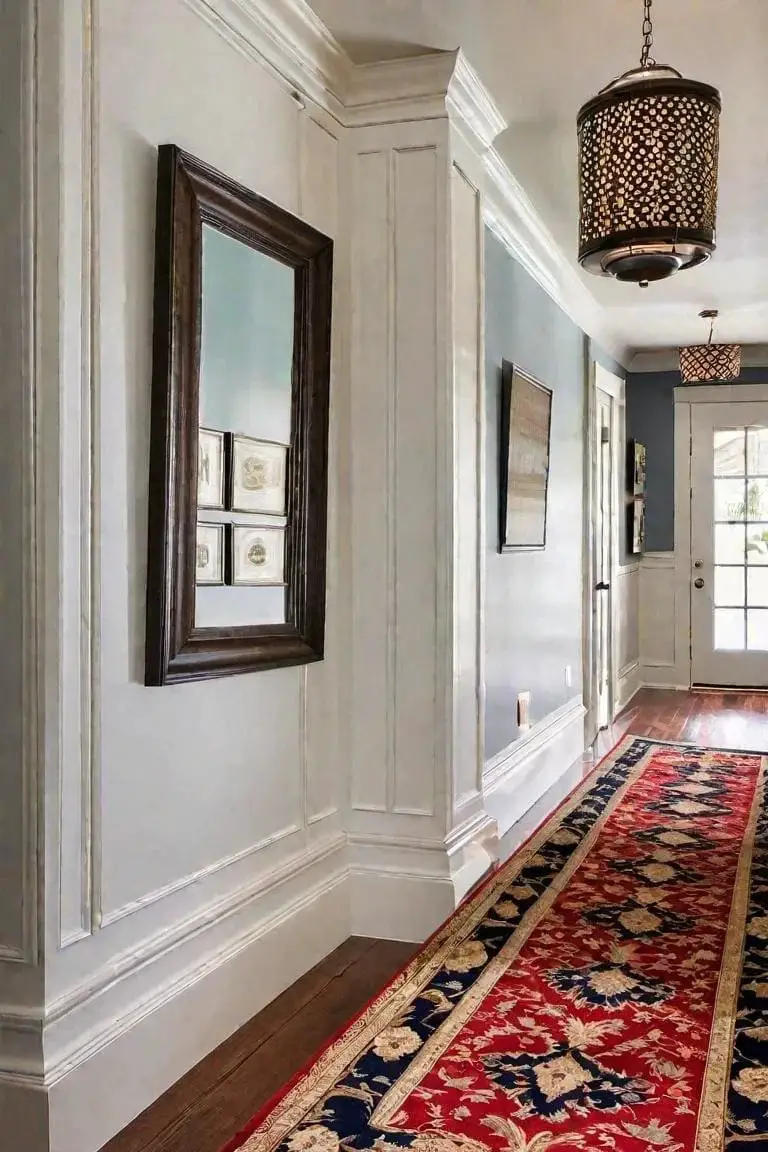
x: 606, y: 989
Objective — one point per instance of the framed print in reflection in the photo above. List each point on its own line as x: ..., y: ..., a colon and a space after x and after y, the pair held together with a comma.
x: 210, y: 469
x: 257, y: 480
x: 255, y: 555
x: 209, y: 554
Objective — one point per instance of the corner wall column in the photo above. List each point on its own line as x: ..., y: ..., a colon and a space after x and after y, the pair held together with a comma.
x: 420, y: 836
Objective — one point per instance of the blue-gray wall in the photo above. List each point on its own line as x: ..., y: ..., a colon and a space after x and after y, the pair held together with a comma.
x: 651, y: 419
x: 533, y: 599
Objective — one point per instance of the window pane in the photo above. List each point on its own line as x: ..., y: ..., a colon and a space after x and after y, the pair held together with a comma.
x: 757, y: 500
x: 729, y: 629
x: 730, y: 543
x: 757, y: 544
x: 729, y: 500
x: 729, y: 452
x: 757, y: 451
x: 757, y: 630
x: 729, y: 587
x: 757, y: 587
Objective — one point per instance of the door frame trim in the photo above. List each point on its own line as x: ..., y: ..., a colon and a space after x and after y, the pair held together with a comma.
x: 685, y: 397
x: 599, y: 377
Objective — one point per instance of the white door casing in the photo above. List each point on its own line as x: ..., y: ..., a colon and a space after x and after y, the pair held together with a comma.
x: 729, y: 543
x: 602, y: 500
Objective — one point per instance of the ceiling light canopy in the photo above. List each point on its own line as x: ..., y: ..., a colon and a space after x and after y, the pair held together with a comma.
x: 648, y: 152
x: 701, y: 363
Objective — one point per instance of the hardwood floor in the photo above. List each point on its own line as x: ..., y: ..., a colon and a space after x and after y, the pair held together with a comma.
x: 209, y: 1105
x: 712, y: 718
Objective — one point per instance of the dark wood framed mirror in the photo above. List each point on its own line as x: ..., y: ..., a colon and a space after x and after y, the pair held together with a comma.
x: 239, y: 430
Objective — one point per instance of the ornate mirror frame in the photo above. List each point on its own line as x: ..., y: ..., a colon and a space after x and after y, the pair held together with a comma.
x: 189, y: 195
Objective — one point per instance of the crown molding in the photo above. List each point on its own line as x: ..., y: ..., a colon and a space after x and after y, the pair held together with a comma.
x: 511, y: 216
x: 472, y: 104
x: 290, y: 39
x: 431, y: 86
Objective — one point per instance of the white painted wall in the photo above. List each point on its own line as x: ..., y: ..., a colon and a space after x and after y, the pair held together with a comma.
x: 201, y: 848
x: 195, y: 858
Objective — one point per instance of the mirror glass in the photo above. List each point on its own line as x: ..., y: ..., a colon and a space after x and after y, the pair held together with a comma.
x: 246, y: 368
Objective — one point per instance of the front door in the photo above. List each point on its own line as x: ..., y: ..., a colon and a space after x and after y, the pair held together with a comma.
x: 729, y: 544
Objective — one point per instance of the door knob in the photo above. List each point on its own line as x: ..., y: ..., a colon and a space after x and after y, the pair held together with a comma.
x: 698, y: 583
x: 698, y: 563
x: 602, y: 586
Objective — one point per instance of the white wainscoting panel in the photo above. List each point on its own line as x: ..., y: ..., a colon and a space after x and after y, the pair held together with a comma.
x: 626, y: 637
x: 174, y: 1010
x: 658, y: 633
x: 469, y: 506
x: 517, y: 778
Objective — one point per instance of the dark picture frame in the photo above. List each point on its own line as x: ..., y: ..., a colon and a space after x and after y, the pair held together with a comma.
x: 191, y: 194
x: 273, y: 451
x: 635, y: 487
x: 235, y: 533
x: 524, y: 461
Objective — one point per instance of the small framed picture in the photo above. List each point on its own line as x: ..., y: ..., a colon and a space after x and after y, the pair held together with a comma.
x: 257, y: 476
x: 636, y: 531
x: 210, y: 469
x: 209, y: 554
x: 255, y: 555
x: 637, y: 468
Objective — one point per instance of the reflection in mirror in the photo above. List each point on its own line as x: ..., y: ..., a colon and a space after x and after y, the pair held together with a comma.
x: 246, y: 369
x: 238, y: 461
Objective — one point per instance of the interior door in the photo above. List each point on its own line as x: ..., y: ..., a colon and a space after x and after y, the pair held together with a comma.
x: 602, y: 606
x: 729, y: 544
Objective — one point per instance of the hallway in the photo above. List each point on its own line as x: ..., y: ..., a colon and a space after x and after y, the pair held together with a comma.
x: 208, y: 1106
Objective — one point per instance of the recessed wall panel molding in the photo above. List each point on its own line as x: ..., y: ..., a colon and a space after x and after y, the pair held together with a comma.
x: 318, y: 204
x: 467, y: 233
x: 20, y: 759
x: 79, y: 830
x: 419, y: 443
x: 657, y: 616
x: 372, y: 409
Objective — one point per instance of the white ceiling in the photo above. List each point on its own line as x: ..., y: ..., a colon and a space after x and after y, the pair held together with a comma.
x: 541, y: 59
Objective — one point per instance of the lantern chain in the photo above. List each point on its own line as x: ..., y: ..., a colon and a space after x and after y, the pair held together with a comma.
x: 646, y: 60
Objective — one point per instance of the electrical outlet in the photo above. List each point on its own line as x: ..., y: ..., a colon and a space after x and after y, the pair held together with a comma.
x: 523, y: 709
x: 568, y: 676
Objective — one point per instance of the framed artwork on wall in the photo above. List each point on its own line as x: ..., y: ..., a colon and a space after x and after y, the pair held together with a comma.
x: 210, y: 469
x: 255, y: 555
x: 526, y: 417
x: 209, y: 560
x: 257, y: 476
x: 637, y: 468
x: 637, y: 525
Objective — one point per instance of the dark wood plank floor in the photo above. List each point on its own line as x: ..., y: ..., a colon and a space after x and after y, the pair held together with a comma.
x: 217, y: 1098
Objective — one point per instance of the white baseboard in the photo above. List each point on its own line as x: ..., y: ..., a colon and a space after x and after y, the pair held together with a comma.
x: 519, y: 776
x: 629, y: 683
x: 403, y: 888
x: 188, y: 1012
x: 23, y: 1116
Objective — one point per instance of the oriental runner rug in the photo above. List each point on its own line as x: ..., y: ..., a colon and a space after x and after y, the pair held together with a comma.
x: 606, y: 989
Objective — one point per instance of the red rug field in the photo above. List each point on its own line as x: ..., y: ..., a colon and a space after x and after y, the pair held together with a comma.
x: 606, y: 990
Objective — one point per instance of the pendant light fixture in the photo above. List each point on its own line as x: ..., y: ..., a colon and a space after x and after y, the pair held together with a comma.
x: 700, y: 363
x: 648, y: 152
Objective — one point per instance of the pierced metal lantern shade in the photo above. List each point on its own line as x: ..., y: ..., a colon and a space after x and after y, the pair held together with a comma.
x: 700, y: 363
x: 648, y: 154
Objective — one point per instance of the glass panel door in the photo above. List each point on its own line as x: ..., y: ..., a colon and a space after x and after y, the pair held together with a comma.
x: 729, y: 542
